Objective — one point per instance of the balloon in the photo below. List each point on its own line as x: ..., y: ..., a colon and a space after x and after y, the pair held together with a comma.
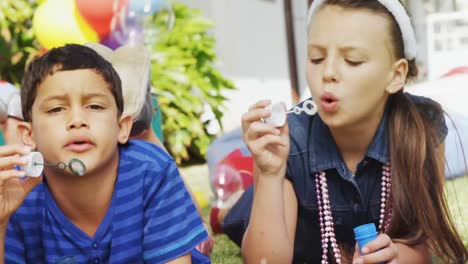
x: 133, y: 24
x: 227, y: 182
x: 128, y: 33
x: 99, y: 13
x: 111, y: 42
x: 58, y: 22
x: 145, y: 7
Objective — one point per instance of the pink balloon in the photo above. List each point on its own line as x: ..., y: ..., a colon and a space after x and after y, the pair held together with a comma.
x: 226, y: 182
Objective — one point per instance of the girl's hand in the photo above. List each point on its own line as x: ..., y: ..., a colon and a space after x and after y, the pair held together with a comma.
x: 269, y: 145
x: 13, y: 190
x: 379, y: 250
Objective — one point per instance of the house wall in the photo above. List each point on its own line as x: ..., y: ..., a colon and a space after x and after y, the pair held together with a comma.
x: 252, y: 51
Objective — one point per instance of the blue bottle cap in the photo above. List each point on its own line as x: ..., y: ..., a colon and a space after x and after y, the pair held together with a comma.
x: 363, y: 231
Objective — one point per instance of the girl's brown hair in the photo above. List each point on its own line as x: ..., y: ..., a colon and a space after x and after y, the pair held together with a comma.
x: 420, y: 211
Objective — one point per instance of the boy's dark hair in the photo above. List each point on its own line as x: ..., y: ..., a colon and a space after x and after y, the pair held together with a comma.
x: 67, y: 58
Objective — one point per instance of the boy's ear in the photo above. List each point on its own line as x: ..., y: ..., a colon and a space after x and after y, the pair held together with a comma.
x: 25, y: 134
x: 398, y: 78
x: 125, y: 125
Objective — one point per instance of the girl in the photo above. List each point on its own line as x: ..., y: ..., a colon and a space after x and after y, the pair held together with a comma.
x: 372, y: 154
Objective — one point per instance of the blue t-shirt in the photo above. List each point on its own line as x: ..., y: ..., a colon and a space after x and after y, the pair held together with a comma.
x: 151, y: 218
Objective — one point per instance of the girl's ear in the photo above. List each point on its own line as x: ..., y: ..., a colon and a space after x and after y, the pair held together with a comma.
x: 25, y: 134
x: 398, y: 78
x: 125, y: 125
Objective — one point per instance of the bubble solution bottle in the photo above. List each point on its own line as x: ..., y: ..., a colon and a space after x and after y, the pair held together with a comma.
x: 365, y: 234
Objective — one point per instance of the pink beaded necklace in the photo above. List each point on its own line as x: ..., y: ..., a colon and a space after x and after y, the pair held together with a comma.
x: 327, y: 229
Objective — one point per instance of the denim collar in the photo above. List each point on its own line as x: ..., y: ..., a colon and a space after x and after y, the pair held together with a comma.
x: 325, y: 153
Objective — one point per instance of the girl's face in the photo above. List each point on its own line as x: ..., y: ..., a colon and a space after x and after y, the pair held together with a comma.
x: 351, y: 66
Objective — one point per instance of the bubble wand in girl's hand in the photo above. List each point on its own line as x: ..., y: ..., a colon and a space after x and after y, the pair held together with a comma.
x: 278, y: 112
x: 36, y: 165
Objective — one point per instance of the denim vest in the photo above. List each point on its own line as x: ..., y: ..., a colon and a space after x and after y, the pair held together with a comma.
x: 355, y: 199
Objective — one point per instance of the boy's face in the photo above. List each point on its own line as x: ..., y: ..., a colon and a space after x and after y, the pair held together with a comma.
x: 75, y: 115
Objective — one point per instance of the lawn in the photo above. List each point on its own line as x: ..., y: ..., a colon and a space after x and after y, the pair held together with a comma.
x: 227, y: 252
x: 457, y: 194
x: 224, y: 250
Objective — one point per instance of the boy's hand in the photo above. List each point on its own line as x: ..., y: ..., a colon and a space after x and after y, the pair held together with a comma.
x: 269, y: 145
x: 379, y: 250
x: 13, y: 190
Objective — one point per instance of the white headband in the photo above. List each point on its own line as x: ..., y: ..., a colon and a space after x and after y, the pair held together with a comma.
x: 400, y: 15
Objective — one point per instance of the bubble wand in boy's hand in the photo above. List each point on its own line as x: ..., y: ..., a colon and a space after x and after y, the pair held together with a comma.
x: 278, y: 112
x: 36, y: 165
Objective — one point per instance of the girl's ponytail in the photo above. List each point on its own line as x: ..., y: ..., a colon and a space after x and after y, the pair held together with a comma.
x: 420, y: 211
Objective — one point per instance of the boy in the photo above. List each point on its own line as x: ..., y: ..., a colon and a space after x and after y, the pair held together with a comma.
x: 10, y: 112
x: 131, y: 206
x: 133, y: 65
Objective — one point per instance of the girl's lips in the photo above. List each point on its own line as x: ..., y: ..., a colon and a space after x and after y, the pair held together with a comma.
x: 329, y: 102
x: 330, y: 106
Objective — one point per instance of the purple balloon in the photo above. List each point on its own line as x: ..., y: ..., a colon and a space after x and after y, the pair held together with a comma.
x: 129, y: 32
x: 110, y: 42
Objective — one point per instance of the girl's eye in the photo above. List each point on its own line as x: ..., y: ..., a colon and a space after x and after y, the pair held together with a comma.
x: 55, y: 110
x: 316, y: 61
x: 354, y: 63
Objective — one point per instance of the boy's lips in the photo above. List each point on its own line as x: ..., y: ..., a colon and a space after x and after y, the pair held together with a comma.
x: 329, y: 102
x: 81, y: 147
x: 79, y: 144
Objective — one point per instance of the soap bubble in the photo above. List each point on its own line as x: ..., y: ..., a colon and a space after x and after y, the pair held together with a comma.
x: 77, y: 167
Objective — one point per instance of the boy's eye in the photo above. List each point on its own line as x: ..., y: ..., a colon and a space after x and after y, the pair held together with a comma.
x: 353, y: 62
x: 96, y: 107
x: 316, y: 60
x: 55, y: 110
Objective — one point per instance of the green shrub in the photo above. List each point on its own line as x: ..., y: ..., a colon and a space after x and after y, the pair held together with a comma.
x: 17, y: 41
x: 186, y: 82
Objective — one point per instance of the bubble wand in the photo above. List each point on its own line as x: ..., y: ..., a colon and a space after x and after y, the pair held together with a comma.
x: 278, y: 114
x: 36, y: 165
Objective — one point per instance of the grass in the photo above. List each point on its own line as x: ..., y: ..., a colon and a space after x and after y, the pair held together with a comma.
x: 224, y: 251
x: 227, y: 252
x: 457, y: 196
